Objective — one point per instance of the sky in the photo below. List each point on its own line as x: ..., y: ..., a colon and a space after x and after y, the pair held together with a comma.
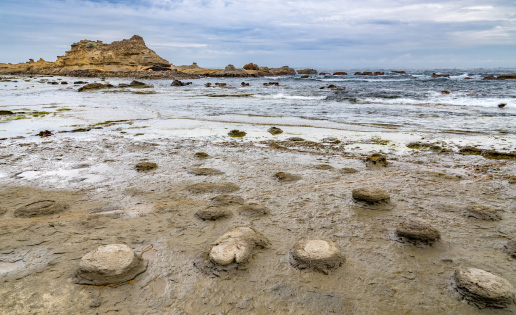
x: 321, y: 34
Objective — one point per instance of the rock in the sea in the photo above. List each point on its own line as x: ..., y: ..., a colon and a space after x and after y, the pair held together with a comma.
x: 109, y: 264
x: 237, y: 133
x: 481, y: 212
x: 213, y: 213
x: 95, y: 86
x: 146, y: 166
x: 295, y: 139
x: 502, y: 105
x: 6, y: 112
x: 340, y: 73
x: 483, y: 289
x: 286, y: 177
x: 205, y: 171
x: 40, y: 208
x: 221, y: 188
x: 135, y: 84
x: 370, y: 195
x: 437, y: 76
x: 45, y: 133
x: 508, y: 76
x: 201, y: 155
x: 236, y: 245
x: 274, y: 131
x: 226, y: 200
x: 318, y: 254
x: 376, y: 160
x: 179, y: 83
x: 510, y: 248
x: 253, y: 210
x: 445, y: 92
x: 307, y: 71
x: 417, y: 230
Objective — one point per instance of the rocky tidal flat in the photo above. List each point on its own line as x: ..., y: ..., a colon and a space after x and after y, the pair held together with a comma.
x: 148, y: 204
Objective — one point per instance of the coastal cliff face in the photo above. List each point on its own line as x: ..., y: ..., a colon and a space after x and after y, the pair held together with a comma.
x: 128, y: 52
x: 120, y: 56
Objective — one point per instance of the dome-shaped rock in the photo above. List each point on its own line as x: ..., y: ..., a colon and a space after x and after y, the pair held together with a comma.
x: 481, y: 212
x: 318, y: 254
x: 418, y: 230
x: 482, y: 288
x: 213, y: 213
x: 109, y: 264
x: 236, y: 245
x: 370, y: 195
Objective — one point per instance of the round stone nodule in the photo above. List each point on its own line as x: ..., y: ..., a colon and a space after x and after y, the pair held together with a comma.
x: 39, y: 208
x: 481, y: 212
x: 376, y: 160
x: 370, y: 195
x: 146, y: 166
x: 418, y: 230
x: 213, y: 213
x: 236, y: 245
x: 483, y: 289
x: 109, y: 264
x: 321, y: 255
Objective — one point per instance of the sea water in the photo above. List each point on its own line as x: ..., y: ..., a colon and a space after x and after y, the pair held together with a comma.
x: 404, y: 102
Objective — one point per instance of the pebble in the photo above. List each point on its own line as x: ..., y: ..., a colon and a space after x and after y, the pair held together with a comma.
x: 483, y: 289
x: 109, y: 264
x: 418, y: 230
x: 318, y: 254
x: 370, y: 195
x: 236, y: 245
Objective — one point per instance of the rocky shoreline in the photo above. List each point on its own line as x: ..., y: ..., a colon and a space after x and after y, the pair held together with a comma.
x: 210, y: 227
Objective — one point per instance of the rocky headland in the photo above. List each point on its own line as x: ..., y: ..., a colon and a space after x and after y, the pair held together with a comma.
x: 129, y: 58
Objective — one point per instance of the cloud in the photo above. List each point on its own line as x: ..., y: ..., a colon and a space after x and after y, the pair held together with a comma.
x: 296, y: 32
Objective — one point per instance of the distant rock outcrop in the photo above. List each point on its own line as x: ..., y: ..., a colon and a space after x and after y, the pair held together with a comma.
x: 307, y: 71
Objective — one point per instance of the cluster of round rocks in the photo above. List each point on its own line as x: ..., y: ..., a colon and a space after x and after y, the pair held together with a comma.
x: 117, y: 263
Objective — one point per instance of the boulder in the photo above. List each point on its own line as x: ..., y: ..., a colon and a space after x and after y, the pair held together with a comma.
x: 45, y: 133
x: 40, y: 208
x: 445, y: 92
x: 251, y: 66
x: 509, y: 76
x: 481, y: 212
x: 318, y: 254
x: 274, y: 131
x: 146, y: 166
x: 417, y: 230
x: 340, y: 73
x: 399, y: 72
x: 6, y: 112
x: 483, y: 289
x: 379, y: 73
x: 489, y: 77
x: 285, y: 70
x: 376, y: 160
x: 370, y: 195
x: 502, y: 105
x: 330, y: 140
x: 253, y: 210
x: 236, y: 245
x: 109, y: 264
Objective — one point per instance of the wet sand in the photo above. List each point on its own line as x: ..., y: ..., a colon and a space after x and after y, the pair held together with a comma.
x: 154, y: 212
